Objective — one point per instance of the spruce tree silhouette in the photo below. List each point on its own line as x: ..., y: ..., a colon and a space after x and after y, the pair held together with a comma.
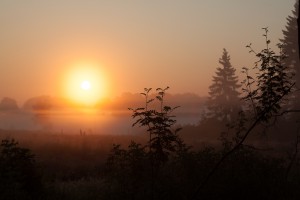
x: 290, y: 48
x: 224, y: 98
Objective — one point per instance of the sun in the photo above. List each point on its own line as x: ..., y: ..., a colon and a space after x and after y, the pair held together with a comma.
x: 84, y: 85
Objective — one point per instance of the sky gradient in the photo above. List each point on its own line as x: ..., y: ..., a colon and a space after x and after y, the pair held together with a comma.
x: 135, y: 44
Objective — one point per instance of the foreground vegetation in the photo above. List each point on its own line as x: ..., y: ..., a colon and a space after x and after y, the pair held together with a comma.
x: 86, y: 167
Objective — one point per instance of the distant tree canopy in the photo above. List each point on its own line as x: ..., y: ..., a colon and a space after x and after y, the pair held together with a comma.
x: 224, y: 101
x: 290, y: 47
x: 39, y: 103
x: 8, y: 104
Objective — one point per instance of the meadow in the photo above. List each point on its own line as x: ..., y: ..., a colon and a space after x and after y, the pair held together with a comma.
x: 86, y: 166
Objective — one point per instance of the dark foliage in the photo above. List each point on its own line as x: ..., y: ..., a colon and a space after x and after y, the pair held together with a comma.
x: 163, y: 140
x: 246, y: 174
x: 128, y: 172
x: 272, y: 84
x: 18, y: 172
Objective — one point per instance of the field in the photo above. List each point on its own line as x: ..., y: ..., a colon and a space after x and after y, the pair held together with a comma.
x: 82, y: 166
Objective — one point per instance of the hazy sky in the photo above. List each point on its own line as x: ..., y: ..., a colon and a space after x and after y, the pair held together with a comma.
x: 135, y: 43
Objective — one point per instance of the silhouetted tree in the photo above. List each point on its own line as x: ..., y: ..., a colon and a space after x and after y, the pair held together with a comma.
x: 224, y: 101
x: 8, y: 104
x: 163, y: 140
x: 140, y: 167
x: 290, y: 47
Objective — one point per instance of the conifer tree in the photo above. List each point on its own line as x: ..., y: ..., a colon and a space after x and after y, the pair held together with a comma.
x: 290, y: 47
x: 224, y: 101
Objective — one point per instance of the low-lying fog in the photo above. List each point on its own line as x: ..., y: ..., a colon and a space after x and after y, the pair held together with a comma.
x: 51, y: 114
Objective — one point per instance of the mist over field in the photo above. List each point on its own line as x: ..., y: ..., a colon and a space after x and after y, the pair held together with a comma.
x: 53, y: 114
x: 149, y: 100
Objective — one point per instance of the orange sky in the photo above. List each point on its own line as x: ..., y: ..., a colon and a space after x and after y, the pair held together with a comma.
x: 134, y: 44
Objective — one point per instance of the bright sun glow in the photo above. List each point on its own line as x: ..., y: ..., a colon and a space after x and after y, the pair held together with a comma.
x: 85, y: 85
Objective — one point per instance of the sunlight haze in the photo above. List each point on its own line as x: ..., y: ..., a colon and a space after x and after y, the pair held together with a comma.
x: 136, y: 43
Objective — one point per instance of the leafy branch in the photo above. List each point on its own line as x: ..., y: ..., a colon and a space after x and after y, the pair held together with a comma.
x: 159, y: 122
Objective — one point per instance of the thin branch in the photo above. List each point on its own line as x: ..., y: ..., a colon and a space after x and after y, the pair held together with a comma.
x: 257, y: 149
x: 248, y: 85
x: 240, y: 143
x: 288, y: 111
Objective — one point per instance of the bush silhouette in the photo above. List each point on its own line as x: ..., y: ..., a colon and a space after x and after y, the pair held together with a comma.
x: 18, y: 172
x: 163, y: 139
